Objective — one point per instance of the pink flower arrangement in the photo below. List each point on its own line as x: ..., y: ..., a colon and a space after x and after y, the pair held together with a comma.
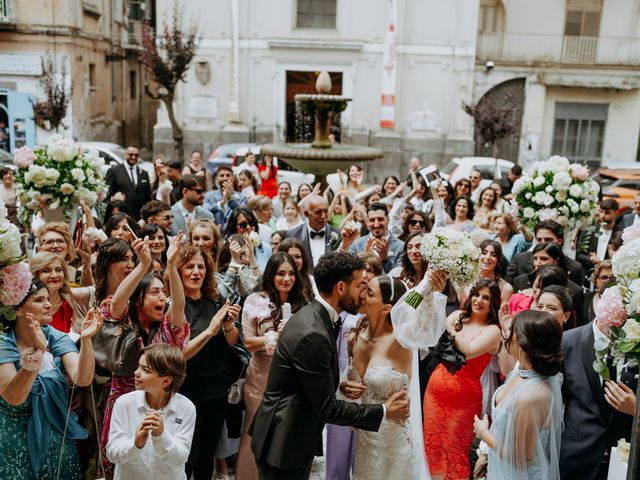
x: 610, y: 309
x: 15, y: 281
x: 23, y: 157
x: 579, y: 172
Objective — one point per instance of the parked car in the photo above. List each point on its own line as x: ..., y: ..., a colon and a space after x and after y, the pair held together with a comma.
x: 623, y: 184
x: 113, y: 154
x: 461, y: 167
x: 223, y: 155
x: 233, y: 154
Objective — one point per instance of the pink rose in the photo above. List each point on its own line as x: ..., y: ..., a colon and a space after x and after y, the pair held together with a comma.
x: 23, y: 157
x: 579, y: 172
x: 610, y: 309
x: 15, y: 281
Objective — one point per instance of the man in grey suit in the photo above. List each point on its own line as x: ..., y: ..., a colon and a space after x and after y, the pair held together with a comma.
x: 379, y: 239
x: 189, y: 206
x: 300, y: 396
x: 316, y: 235
x: 633, y: 216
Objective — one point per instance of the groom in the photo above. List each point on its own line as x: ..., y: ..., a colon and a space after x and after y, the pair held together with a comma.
x: 300, y: 394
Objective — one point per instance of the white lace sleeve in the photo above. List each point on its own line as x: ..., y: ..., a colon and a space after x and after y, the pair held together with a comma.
x: 419, y: 317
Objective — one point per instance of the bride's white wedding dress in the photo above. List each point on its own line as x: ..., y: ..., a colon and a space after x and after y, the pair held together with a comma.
x: 391, y: 452
x: 396, y: 451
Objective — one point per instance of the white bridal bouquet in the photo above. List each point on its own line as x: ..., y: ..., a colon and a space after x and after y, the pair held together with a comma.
x: 556, y: 190
x: 58, y: 175
x: 452, y: 251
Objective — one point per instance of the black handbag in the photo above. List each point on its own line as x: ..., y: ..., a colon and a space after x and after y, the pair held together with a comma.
x: 116, y: 348
x: 239, y: 361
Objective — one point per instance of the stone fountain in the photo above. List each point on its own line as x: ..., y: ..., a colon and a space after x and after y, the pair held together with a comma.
x: 321, y: 157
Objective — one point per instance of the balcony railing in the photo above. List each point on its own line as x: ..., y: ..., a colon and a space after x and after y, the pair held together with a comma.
x: 132, y: 34
x: 560, y: 49
x: 7, y: 12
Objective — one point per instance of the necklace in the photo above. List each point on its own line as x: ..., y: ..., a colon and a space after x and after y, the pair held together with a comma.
x: 527, y: 373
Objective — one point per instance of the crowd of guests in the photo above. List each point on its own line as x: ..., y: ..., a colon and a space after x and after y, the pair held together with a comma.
x: 198, y: 275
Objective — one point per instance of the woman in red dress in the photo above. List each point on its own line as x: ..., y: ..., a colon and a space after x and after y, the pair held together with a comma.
x: 451, y: 401
x: 268, y: 176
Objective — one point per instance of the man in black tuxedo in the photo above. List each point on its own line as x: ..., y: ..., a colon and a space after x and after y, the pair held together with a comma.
x: 596, y: 413
x: 632, y: 216
x: 300, y: 394
x: 131, y: 181
x: 316, y: 235
x: 599, y: 238
x: 545, y: 231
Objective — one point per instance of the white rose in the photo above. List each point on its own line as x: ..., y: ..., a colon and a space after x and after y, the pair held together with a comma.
x: 67, y: 189
x: 539, y: 198
x: 576, y: 190
x: 633, y: 306
x: 560, y: 163
x: 63, y: 150
x: 585, y: 206
x: 255, y: 239
x: 520, y: 184
x: 575, y: 208
x: 549, y: 189
x: 79, y: 163
x: 561, y: 196
x: 548, y: 200
x: 528, y: 195
x: 562, y: 180
x: 632, y: 330
x: 78, y: 174
x: 528, y: 212
x: 538, y: 181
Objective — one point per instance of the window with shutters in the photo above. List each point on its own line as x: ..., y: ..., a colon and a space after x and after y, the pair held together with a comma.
x: 579, y: 131
x: 316, y: 14
x: 583, y: 18
x: 491, y: 17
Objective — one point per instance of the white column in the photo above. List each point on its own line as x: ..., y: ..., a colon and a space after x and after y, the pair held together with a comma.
x: 389, y: 67
x: 532, y: 122
x: 233, y: 113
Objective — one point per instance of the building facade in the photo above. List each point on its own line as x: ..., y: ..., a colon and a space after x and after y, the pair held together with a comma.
x: 96, y: 42
x: 567, y: 71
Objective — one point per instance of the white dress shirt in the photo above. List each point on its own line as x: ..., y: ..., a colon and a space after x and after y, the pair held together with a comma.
x: 162, y: 457
x: 317, y: 245
x: 603, y: 243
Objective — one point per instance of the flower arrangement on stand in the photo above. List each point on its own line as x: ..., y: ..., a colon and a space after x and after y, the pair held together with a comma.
x: 619, y: 308
x: 556, y: 190
x: 59, y: 176
x: 15, y: 276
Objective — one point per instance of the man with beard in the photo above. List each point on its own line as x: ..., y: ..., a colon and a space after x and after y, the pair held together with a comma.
x: 300, y: 394
x: 378, y: 240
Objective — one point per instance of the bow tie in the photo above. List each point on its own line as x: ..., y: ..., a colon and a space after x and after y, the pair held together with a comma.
x: 336, y: 327
x: 316, y: 234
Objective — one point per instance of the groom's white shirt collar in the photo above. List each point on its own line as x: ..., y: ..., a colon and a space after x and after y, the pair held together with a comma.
x: 333, y: 315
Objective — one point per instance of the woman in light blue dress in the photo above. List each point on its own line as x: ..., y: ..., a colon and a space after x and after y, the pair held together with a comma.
x: 523, y: 442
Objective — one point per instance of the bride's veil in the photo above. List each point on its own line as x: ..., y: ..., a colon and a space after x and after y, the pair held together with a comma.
x: 416, y: 328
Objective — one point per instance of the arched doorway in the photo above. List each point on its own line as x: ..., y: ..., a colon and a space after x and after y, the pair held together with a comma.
x: 508, y: 95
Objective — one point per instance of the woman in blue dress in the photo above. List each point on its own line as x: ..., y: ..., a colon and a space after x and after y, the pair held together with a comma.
x: 35, y: 362
x: 523, y: 442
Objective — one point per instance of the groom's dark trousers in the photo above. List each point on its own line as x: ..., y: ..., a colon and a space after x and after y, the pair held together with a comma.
x: 300, y: 398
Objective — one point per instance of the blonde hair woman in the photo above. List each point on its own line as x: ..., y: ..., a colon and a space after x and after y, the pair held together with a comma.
x: 50, y: 269
x: 204, y: 233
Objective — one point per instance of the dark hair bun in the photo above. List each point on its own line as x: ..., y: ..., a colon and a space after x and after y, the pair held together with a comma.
x: 546, y: 364
x: 539, y: 335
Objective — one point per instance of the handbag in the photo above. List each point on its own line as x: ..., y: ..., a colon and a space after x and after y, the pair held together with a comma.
x: 240, y: 362
x: 116, y: 348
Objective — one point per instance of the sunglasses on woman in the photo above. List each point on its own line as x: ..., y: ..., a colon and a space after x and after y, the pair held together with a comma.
x: 419, y: 223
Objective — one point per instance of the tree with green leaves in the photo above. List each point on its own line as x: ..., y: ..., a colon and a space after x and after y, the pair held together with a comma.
x: 167, y: 57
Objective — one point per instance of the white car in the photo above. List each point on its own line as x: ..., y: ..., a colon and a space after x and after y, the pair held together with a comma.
x: 113, y: 154
x: 286, y: 173
x: 461, y: 167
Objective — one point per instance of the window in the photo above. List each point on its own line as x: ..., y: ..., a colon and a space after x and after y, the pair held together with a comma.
x: 316, y: 14
x: 491, y: 16
x: 92, y: 77
x: 583, y: 18
x: 579, y: 131
x: 133, y: 85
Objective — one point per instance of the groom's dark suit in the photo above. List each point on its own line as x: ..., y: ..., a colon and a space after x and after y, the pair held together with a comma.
x: 300, y: 397
x: 591, y: 426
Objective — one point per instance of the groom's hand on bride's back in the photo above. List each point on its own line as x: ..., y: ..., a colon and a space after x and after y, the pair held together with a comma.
x: 397, y: 406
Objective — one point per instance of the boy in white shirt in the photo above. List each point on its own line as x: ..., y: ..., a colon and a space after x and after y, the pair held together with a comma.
x: 152, y: 428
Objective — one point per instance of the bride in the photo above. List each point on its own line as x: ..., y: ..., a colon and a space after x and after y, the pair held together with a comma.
x: 383, y: 362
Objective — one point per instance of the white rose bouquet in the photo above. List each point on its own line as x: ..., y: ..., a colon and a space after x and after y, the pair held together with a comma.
x: 452, y: 251
x: 556, y: 190
x: 619, y: 308
x: 58, y: 175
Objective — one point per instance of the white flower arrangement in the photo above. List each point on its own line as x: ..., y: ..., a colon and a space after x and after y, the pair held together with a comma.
x: 454, y: 252
x: 556, y: 190
x: 10, y: 239
x: 58, y: 173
